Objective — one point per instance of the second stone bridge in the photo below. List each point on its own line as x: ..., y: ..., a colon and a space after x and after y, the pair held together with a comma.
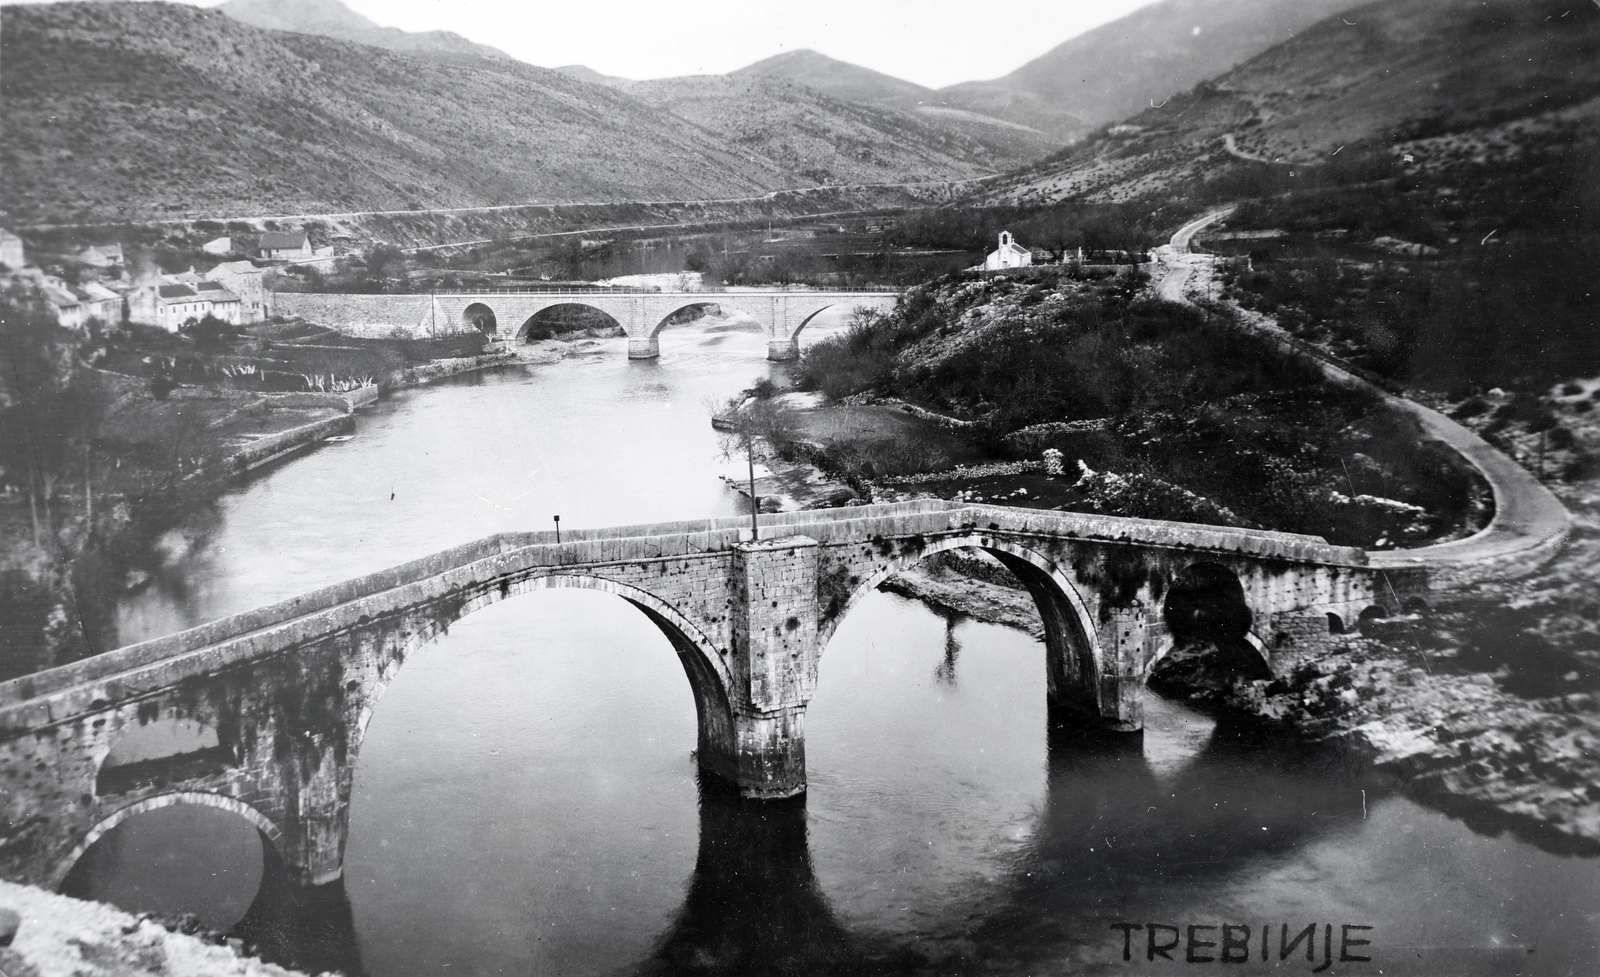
x: 782, y: 313
x: 282, y: 696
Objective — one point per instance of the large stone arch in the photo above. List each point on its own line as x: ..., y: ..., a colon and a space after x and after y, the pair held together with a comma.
x: 662, y: 317
x: 709, y: 677
x: 269, y: 830
x: 521, y: 333
x: 1241, y: 629
x: 1072, y: 644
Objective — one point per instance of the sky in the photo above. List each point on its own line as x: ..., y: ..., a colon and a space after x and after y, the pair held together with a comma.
x: 931, y: 42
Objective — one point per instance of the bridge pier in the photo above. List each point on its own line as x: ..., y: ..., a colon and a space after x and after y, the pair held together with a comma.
x: 781, y: 349
x: 775, y: 649
x: 643, y: 347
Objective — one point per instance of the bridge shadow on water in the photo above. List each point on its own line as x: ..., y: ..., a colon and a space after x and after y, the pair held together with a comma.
x: 1119, y: 835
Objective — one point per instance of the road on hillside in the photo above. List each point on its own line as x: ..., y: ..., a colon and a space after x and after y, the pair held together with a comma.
x: 1527, y: 515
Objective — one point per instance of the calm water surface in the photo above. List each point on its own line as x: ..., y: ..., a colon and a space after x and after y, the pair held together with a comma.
x: 526, y: 799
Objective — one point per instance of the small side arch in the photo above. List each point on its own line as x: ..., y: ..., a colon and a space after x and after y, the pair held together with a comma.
x: 262, y: 823
x: 1071, y: 641
x: 480, y: 317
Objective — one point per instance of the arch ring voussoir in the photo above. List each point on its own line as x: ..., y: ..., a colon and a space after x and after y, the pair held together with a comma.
x: 233, y: 805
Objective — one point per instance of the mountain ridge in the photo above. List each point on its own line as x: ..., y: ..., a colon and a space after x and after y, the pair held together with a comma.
x: 330, y: 18
x: 1114, y: 70
x: 1385, y: 87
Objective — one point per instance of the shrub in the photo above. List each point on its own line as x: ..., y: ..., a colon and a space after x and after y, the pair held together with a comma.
x: 1571, y: 389
x: 1560, y: 438
x: 1471, y: 407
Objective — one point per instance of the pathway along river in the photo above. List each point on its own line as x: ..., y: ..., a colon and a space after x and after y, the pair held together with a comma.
x: 526, y: 800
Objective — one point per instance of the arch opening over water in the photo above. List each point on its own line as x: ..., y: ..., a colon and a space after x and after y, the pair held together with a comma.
x: 1210, y: 627
x: 183, y: 852
x: 566, y: 317
x: 1071, y: 645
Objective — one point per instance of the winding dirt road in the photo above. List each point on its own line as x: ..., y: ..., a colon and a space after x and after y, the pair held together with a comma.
x: 1529, y: 521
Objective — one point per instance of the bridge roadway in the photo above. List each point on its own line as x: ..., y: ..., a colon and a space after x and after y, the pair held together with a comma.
x: 285, y: 692
x: 782, y: 313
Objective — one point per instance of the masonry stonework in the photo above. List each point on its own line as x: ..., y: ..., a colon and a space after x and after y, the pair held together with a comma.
x: 782, y: 315
x: 288, y: 690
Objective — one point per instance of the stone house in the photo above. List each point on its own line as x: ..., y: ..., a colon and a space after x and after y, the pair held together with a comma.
x: 285, y: 245
x: 1009, y: 254
x: 169, y: 305
x: 99, y: 302
x: 246, y: 281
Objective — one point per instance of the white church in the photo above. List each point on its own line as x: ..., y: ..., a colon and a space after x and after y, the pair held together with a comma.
x: 1009, y: 254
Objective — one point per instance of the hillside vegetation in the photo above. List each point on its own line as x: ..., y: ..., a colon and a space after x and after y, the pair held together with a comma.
x: 1169, y: 412
x: 820, y: 138
x: 118, y: 111
x: 1009, y: 142
x: 1347, y: 100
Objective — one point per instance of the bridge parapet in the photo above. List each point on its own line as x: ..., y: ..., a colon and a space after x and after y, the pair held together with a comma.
x: 289, y: 688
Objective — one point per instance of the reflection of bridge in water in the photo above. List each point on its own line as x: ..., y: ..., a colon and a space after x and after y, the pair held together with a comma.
x: 282, y: 695
x: 1118, y: 829
x: 782, y: 313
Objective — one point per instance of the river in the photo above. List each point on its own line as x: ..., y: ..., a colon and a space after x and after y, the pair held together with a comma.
x: 526, y: 798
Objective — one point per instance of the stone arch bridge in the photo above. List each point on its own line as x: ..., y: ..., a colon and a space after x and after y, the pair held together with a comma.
x: 286, y: 692
x: 782, y: 313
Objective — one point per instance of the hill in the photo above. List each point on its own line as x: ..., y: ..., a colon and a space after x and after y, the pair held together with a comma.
x: 1137, y: 61
x: 593, y: 77
x: 1008, y: 143
x: 130, y: 111
x: 841, y: 79
x: 1366, y: 94
x: 330, y: 18
x: 820, y: 138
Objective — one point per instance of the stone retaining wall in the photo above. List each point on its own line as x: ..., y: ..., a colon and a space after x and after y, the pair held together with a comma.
x: 366, y: 316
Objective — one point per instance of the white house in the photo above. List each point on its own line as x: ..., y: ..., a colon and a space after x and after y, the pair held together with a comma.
x: 285, y: 245
x: 170, y: 305
x: 1009, y: 254
x: 11, y: 250
x: 218, y: 245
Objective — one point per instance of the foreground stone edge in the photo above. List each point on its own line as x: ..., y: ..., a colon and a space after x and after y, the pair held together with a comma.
x: 64, y: 937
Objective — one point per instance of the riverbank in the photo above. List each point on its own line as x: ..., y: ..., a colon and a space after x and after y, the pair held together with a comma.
x: 61, y: 937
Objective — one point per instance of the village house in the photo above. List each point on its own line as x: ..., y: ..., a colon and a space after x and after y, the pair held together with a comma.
x: 70, y: 313
x: 1009, y: 254
x: 285, y: 245
x: 218, y: 245
x: 169, y: 305
x: 11, y: 251
x: 107, y: 258
x: 246, y: 281
x: 99, y: 302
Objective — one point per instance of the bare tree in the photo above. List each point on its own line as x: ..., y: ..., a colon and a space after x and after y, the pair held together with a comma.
x: 757, y: 428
